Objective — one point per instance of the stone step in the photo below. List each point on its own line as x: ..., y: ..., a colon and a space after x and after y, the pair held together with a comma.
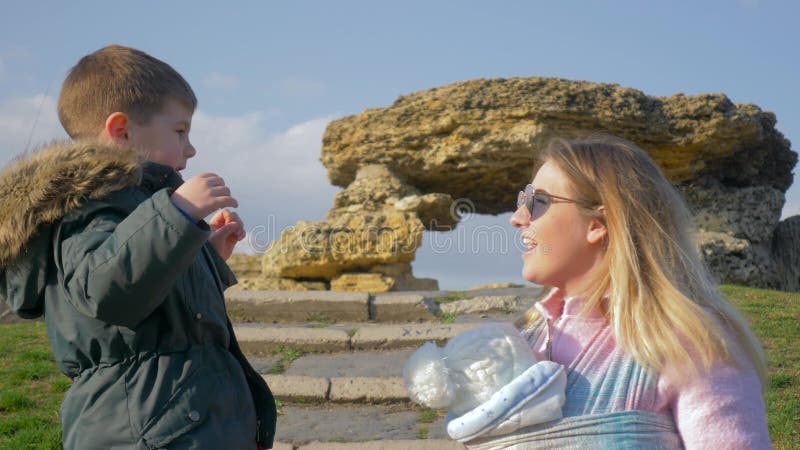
x: 349, y: 377
x: 354, y: 364
x: 418, y: 444
x: 329, y: 306
x: 353, y: 399
x: 299, y: 388
x: 361, y: 427
x: 263, y: 340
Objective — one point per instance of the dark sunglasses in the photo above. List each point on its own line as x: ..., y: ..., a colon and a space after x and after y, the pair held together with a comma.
x: 531, y: 198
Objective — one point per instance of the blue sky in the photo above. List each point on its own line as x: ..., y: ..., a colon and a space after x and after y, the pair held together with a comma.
x: 270, y: 75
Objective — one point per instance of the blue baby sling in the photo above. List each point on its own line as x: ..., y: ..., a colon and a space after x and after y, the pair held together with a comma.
x: 606, y: 396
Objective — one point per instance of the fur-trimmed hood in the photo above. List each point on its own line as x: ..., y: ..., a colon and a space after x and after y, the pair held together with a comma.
x: 39, y: 188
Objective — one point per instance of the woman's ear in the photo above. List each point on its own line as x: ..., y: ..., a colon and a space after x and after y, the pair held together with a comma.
x: 597, y: 231
x: 116, y: 128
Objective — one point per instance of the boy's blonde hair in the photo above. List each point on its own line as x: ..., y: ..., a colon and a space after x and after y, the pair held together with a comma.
x: 118, y: 79
x: 663, y: 304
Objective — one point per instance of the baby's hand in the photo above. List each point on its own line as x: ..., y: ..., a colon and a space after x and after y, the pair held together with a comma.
x: 226, y: 230
x: 202, y: 195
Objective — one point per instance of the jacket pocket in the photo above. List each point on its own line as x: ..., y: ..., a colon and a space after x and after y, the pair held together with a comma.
x: 185, y: 411
x: 170, y: 395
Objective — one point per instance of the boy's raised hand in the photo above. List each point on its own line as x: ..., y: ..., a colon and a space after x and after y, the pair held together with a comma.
x: 203, y: 194
x: 226, y: 230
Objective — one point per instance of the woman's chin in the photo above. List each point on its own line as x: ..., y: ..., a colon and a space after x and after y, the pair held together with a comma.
x: 529, y: 275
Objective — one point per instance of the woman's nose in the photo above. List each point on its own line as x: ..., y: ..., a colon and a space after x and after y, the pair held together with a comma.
x: 520, y: 218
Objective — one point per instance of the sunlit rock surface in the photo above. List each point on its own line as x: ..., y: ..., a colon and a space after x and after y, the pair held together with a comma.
x: 412, y: 165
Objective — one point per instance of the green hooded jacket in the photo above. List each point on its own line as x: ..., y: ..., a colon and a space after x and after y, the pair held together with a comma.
x: 132, y: 296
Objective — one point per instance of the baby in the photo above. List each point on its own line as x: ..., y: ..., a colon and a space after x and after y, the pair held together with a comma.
x: 490, y: 381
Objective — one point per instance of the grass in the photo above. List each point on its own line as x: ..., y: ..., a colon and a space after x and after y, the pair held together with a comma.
x: 31, y: 388
x: 427, y: 416
x: 288, y: 354
x: 452, y: 297
x: 448, y: 317
x: 321, y: 320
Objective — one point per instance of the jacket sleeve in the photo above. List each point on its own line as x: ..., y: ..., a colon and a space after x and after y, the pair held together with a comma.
x: 119, y: 268
x: 226, y: 275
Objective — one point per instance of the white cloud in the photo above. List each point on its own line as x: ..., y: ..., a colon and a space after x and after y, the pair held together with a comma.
x: 27, y: 123
x: 277, y: 177
x: 298, y: 87
x: 241, y: 145
x: 216, y: 80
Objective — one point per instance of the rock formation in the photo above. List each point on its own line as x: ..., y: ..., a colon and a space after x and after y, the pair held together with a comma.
x: 786, y: 249
x: 406, y: 167
x: 366, y: 243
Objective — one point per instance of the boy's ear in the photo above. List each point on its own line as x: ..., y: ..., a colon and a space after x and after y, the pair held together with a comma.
x: 116, y: 128
x: 597, y: 230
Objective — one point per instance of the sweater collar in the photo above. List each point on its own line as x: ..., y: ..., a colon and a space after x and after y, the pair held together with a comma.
x: 556, y: 304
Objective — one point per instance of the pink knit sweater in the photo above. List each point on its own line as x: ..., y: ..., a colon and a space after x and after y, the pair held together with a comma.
x: 720, y: 409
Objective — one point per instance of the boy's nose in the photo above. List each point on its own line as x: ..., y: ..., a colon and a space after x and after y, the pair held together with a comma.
x: 190, y: 151
x: 520, y: 218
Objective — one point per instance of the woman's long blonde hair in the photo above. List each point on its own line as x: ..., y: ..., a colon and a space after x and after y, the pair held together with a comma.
x: 662, y: 302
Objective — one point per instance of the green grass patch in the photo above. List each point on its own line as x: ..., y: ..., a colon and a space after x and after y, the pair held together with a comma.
x: 453, y: 296
x: 288, y: 354
x: 321, y: 320
x: 14, y: 400
x: 31, y: 388
x: 427, y: 416
x: 448, y: 317
x: 277, y: 368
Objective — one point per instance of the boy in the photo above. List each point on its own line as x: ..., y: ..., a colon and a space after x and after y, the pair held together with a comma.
x: 103, y: 237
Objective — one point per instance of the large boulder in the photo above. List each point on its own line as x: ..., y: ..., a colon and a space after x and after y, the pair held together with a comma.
x: 477, y: 139
x: 410, y: 165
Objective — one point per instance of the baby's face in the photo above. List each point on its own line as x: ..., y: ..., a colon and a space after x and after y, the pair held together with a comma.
x: 165, y: 139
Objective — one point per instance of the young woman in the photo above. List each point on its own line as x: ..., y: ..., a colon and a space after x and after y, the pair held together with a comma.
x: 655, y: 356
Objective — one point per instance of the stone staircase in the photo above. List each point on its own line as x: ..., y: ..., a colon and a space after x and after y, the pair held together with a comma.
x: 334, y: 360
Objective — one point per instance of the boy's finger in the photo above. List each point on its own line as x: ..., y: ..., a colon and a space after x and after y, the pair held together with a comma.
x: 222, y: 202
x: 231, y: 216
x: 227, y: 230
x: 218, y: 220
x: 240, y: 233
x: 220, y: 191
